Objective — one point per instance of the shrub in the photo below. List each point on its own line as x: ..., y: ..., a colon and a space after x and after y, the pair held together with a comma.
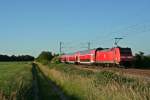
x: 55, y: 60
x: 45, y: 57
x: 141, y: 61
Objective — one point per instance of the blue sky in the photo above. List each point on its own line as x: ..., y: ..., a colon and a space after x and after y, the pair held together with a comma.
x: 31, y: 26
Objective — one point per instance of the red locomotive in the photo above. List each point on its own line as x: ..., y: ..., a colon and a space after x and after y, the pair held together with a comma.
x: 100, y: 56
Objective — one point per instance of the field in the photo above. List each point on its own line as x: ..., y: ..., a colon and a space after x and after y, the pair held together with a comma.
x: 24, y: 81
x: 100, y: 85
x: 34, y: 81
x: 15, y: 80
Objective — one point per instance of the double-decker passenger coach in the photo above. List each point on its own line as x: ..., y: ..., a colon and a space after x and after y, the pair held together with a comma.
x: 100, y: 56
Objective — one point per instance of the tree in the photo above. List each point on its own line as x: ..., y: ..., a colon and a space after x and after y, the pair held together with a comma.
x: 56, y: 59
x: 45, y: 57
x: 141, y: 61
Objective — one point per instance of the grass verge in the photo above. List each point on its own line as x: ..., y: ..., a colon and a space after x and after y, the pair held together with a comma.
x: 88, y: 85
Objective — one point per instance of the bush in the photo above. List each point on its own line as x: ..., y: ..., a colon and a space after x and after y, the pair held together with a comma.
x: 141, y: 61
x: 56, y: 60
x: 45, y: 57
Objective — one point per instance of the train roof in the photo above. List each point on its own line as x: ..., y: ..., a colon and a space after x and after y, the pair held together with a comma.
x: 81, y: 52
x: 97, y: 49
x: 86, y: 51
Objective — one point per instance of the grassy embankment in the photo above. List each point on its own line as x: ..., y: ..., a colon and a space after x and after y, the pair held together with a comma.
x: 88, y: 85
x: 15, y: 80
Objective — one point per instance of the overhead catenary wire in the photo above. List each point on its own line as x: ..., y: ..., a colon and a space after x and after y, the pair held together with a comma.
x: 100, y: 41
x: 123, y: 33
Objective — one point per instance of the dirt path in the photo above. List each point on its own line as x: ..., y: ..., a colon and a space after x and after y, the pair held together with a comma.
x: 54, y: 88
x: 35, y: 87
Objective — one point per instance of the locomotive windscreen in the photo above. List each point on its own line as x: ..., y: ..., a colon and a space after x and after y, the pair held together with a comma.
x: 126, y: 51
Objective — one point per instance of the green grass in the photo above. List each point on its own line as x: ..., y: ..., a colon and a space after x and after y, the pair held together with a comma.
x: 103, y: 85
x: 15, y: 79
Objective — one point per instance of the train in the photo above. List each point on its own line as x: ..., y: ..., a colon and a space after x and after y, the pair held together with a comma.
x: 115, y: 56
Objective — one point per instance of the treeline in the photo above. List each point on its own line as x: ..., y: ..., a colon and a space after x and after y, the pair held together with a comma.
x: 16, y: 58
x: 141, y: 60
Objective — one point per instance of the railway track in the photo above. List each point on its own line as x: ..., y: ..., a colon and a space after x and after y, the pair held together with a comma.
x: 142, y: 73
